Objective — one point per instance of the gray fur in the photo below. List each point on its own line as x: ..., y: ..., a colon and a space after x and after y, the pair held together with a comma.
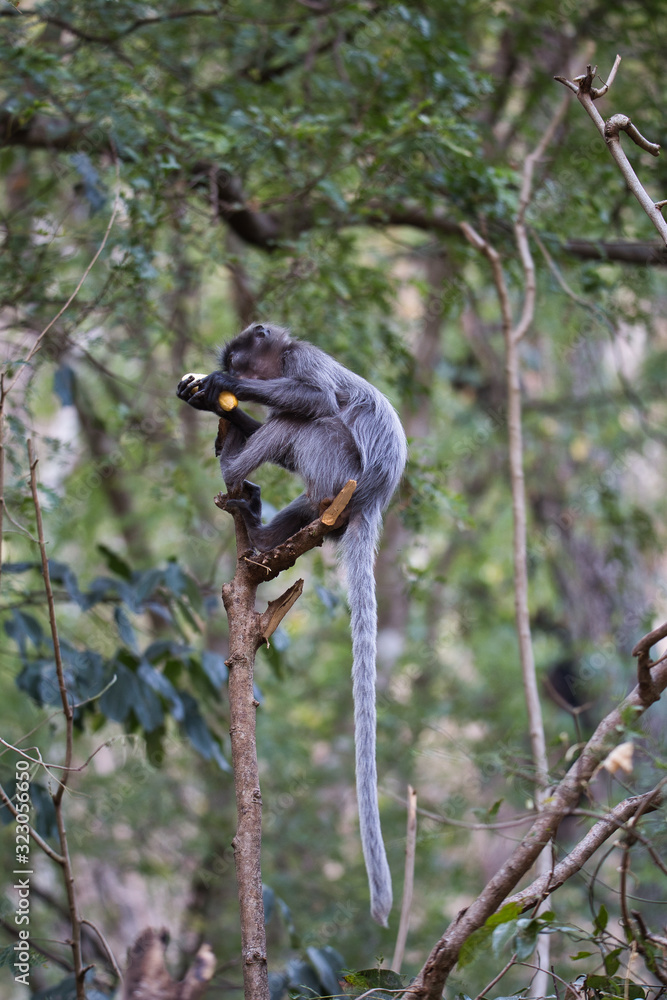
x: 328, y: 425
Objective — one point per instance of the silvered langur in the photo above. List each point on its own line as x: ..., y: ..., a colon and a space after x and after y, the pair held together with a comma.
x: 328, y: 425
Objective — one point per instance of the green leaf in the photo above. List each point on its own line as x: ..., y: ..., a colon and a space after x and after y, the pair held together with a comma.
x: 277, y: 985
x: 302, y: 977
x: 24, y: 628
x: 329, y: 967
x: 160, y: 684
x: 601, y: 919
x: 199, y: 733
x: 612, y: 961
x: 378, y: 980
x: 525, y: 940
x: 64, y: 990
x: 118, y: 700
x: 60, y: 572
x: 146, y: 706
x: 472, y: 945
x: 288, y: 921
x: 44, y: 821
x: 146, y: 584
x: 125, y: 630
x: 115, y: 563
x: 63, y: 382
x: 511, y: 911
x: 501, y: 936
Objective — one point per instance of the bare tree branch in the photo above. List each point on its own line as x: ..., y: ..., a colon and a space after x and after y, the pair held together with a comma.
x: 248, y: 630
x: 408, y: 881
x: 543, y: 886
x: 563, y: 800
x: 68, y: 713
x: 587, y: 94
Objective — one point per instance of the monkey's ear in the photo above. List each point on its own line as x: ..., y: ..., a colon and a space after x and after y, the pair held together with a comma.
x: 260, y: 331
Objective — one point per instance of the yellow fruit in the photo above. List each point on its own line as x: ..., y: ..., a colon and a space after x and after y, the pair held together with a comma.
x: 228, y: 400
x: 194, y: 386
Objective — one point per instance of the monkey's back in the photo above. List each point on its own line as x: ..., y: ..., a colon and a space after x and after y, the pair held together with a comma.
x: 357, y: 434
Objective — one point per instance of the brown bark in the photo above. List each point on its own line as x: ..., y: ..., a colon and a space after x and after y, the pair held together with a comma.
x: 433, y: 976
x: 248, y: 630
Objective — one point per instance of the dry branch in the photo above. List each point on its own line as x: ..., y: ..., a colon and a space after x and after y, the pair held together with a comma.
x: 513, y: 334
x: 277, y: 609
x: 563, y: 801
x: 543, y: 886
x: 610, y: 130
x: 408, y: 880
x: 248, y: 630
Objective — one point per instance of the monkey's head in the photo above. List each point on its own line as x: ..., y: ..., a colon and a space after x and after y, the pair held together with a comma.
x: 257, y: 352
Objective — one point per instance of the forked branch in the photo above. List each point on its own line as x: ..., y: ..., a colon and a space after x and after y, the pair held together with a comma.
x: 562, y: 802
x: 610, y: 131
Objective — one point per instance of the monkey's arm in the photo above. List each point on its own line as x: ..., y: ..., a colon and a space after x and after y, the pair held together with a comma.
x: 289, y: 395
x: 245, y: 423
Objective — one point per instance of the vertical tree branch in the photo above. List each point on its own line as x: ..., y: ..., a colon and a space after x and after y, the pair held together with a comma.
x: 68, y: 713
x: 408, y: 881
x: 513, y: 333
x: 249, y: 630
x: 2, y: 465
x: 244, y: 641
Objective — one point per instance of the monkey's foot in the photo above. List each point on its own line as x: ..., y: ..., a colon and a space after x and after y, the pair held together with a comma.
x: 249, y: 503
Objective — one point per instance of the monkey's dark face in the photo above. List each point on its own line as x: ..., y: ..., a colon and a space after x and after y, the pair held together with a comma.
x: 257, y: 353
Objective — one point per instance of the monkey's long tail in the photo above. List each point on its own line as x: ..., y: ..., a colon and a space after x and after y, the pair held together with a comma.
x: 358, y: 544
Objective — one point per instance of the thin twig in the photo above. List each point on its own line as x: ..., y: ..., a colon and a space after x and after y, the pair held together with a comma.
x: 60, y: 670
x: 107, y: 947
x: 504, y: 824
x: 38, y: 343
x: 531, y: 161
x: 496, y: 979
x: 615, y: 820
x: 515, y: 444
x: 41, y: 843
x: 12, y: 930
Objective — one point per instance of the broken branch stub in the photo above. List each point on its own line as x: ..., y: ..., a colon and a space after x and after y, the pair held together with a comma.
x: 339, y: 503
x: 276, y: 610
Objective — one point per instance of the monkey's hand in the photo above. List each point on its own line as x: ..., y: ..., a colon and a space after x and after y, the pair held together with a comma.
x: 208, y: 392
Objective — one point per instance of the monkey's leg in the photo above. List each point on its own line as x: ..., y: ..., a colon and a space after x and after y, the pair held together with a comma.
x: 273, y: 443
x: 285, y: 524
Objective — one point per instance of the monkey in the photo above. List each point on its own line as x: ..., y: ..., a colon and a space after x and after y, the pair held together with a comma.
x: 328, y: 425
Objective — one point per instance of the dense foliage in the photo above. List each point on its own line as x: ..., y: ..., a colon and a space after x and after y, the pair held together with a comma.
x: 312, y: 162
